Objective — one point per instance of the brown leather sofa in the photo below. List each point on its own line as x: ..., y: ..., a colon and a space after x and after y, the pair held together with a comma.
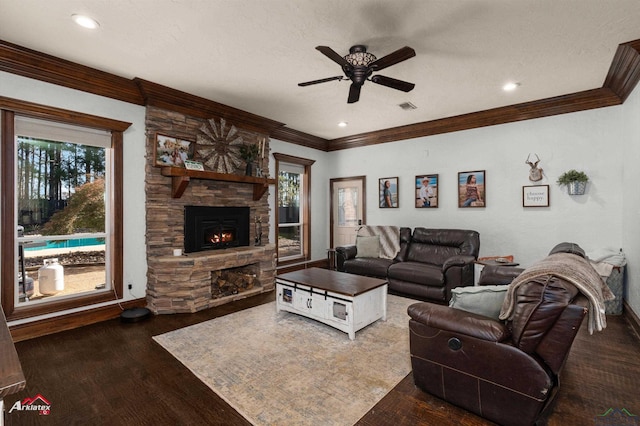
x: 429, y: 264
x: 505, y: 371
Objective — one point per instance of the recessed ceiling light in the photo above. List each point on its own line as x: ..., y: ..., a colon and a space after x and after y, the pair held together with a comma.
x: 342, y: 124
x: 407, y: 106
x: 85, y: 21
x: 510, y: 87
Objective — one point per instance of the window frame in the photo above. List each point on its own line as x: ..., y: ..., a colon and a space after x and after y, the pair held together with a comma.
x: 305, y: 206
x: 9, y: 109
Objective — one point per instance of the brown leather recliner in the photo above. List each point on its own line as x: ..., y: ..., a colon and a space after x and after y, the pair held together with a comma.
x: 505, y: 371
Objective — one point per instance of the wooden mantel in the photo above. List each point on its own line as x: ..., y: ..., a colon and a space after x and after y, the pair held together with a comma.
x: 181, y: 178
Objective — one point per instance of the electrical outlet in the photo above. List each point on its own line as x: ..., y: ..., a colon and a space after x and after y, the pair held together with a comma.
x: 130, y: 286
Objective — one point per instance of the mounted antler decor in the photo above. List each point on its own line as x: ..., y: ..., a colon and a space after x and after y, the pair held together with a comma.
x: 535, y: 174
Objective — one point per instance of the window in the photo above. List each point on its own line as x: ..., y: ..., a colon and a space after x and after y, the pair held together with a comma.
x: 293, y: 212
x: 63, y: 176
x: 61, y: 209
x: 290, y: 234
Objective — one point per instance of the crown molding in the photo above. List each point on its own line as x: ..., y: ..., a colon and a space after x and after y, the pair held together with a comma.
x: 621, y: 80
x: 40, y: 66
x: 175, y: 100
x: 590, y: 99
x: 300, y: 138
x: 624, y: 73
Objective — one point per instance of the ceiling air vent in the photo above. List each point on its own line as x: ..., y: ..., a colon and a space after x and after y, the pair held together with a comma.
x: 407, y: 106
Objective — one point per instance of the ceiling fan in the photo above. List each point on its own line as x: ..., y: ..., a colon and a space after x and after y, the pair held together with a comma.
x: 358, y: 66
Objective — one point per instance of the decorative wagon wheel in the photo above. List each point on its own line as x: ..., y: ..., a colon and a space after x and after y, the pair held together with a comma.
x: 219, y: 152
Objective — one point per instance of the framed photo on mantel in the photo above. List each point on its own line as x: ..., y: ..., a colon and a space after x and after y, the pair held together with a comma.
x: 170, y: 151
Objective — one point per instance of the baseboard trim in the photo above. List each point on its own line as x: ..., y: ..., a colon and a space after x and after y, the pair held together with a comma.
x: 70, y: 321
x: 632, y: 318
x: 324, y: 264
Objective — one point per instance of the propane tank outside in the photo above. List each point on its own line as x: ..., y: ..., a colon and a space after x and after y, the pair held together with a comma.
x: 51, y: 277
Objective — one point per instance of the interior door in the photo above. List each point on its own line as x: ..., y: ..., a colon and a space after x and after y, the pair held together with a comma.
x: 347, y: 209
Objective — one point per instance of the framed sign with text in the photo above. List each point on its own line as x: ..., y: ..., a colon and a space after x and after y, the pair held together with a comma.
x: 535, y: 196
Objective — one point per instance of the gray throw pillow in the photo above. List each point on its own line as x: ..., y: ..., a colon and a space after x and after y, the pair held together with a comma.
x: 368, y: 246
x: 484, y: 300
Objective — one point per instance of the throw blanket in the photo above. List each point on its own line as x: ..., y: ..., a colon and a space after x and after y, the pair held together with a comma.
x: 604, y: 260
x: 575, y: 270
x: 389, y: 238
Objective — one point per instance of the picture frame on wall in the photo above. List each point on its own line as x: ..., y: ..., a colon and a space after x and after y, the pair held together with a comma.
x: 426, y: 189
x: 535, y: 196
x: 472, y: 189
x: 388, y: 192
x: 171, y: 151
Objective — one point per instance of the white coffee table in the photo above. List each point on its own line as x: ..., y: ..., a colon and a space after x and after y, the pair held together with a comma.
x: 344, y: 301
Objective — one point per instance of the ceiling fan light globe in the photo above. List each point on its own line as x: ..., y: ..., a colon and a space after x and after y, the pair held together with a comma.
x: 360, y: 59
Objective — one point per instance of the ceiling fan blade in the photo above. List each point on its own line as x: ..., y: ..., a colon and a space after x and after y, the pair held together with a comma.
x: 322, y: 80
x: 335, y: 57
x: 393, y: 58
x: 354, y: 93
x: 393, y: 83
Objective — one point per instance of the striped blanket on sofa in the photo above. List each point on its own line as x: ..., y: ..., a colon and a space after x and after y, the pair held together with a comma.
x: 389, y: 238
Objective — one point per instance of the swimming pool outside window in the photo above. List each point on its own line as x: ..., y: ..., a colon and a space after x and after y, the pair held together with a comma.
x: 62, y: 233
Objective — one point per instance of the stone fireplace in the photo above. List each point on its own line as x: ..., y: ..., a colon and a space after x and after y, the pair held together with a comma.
x: 222, y: 271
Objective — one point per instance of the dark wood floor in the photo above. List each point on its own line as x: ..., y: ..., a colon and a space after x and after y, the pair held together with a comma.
x: 112, y: 373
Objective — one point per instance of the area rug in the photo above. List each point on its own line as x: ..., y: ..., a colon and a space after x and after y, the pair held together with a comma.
x: 284, y: 369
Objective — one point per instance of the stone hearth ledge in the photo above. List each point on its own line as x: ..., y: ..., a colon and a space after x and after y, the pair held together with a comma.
x: 182, y: 284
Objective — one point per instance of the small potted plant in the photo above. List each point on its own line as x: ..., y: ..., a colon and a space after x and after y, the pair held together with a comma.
x: 249, y: 153
x: 575, y: 181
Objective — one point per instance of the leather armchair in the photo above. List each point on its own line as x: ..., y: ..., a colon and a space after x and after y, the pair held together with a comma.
x: 505, y: 371
x: 436, y: 261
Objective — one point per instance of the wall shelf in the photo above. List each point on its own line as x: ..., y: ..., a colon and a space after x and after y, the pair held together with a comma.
x: 181, y: 178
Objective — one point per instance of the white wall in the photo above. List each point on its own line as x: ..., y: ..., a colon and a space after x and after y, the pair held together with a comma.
x: 135, y: 264
x: 630, y: 117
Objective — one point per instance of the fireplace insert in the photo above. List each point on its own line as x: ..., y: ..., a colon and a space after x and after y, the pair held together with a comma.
x: 212, y: 228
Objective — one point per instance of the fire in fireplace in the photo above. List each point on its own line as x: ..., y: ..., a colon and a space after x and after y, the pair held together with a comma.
x: 212, y: 228
x: 217, y: 237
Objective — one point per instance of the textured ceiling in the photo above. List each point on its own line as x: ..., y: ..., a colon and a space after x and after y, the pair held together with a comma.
x: 251, y: 54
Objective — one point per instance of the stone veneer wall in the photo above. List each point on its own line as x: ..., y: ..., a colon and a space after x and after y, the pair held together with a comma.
x: 177, y: 285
